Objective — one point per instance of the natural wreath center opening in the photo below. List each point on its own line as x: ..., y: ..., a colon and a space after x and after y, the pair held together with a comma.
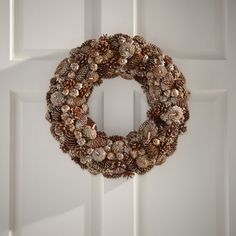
x: 118, y: 106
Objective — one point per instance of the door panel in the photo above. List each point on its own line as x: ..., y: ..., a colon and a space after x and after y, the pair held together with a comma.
x: 42, y: 192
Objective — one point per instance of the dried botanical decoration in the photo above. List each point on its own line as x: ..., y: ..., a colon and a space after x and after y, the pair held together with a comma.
x: 105, y: 58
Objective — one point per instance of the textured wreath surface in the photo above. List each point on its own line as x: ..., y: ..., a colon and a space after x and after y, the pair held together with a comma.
x: 106, y: 58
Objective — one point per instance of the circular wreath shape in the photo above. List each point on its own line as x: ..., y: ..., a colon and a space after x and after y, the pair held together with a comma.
x: 130, y: 58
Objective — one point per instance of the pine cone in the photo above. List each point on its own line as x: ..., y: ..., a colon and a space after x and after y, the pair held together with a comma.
x: 52, y: 130
x: 84, y: 91
x: 63, y: 68
x: 82, y: 59
x: 53, y: 81
x: 55, y: 113
x: 134, y: 61
x: 64, y: 148
x: 97, y: 142
x: 168, y: 60
x: 75, y: 51
x: 70, y: 140
x: 139, y: 39
x: 142, y: 171
x: 161, y: 159
x: 104, y: 71
x: 160, y: 123
x: 115, y: 45
x: 48, y: 98
x: 186, y: 115
x: 68, y: 83
x: 103, y: 46
x: 128, y: 174
x: 154, y: 112
x: 90, y: 43
x: 152, y: 150
x: 147, y: 49
x: 82, y: 73
x: 115, y: 138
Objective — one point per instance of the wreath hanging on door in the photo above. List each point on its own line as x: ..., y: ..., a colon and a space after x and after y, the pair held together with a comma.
x: 105, y: 58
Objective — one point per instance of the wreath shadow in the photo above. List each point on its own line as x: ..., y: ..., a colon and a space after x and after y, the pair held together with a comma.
x: 54, y: 187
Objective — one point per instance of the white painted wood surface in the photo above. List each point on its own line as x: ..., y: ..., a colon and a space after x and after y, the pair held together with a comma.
x: 42, y: 192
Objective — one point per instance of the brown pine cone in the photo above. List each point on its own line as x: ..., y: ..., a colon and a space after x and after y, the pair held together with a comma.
x: 63, y: 67
x: 83, y: 71
x: 70, y: 140
x: 186, y: 114
x: 103, y: 46
x: 68, y: 83
x: 154, y: 112
x: 115, y: 45
x: 139, y: 39
x: 104, y: 71
x: 81, y: 59
x: 115, y: 138
x: 97, y: 142
x: 152, y: 150
x: 147, y: 49
x: 55, y: 113
x: 134, y: 61
x: 168, y: 60
x: 64, y: 148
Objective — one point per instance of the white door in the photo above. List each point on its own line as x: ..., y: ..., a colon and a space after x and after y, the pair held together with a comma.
x: 42, y: 192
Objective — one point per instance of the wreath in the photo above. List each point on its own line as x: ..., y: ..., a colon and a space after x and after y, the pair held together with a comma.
x: 106, y: 58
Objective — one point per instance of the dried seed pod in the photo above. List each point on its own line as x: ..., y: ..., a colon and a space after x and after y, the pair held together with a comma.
x: 174, y: 92
x: 57, y: 99
x: 118, y: 146
x: 74, y: 92
x: 142, y: 162
x: 148, y: 130
x: 65, y: 108
x: 93, y: 76
x: 93, y: 66
x: 71, y: 75
x: 74, y: 66
x: 111, y: 156
x: 98, y: 59
x: 81, y: 141
x: 159, y: 71
x: 85, y: 159
x: 127, y: 50
x: 89, y: 132
x: 81, y: 121
x: 174, y: 114
x: 69, y: 121
x: 78, y: 134
x: 156, y: 141
x: 98, y: 154
x: 120, y: 156
x: 167, y: 82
